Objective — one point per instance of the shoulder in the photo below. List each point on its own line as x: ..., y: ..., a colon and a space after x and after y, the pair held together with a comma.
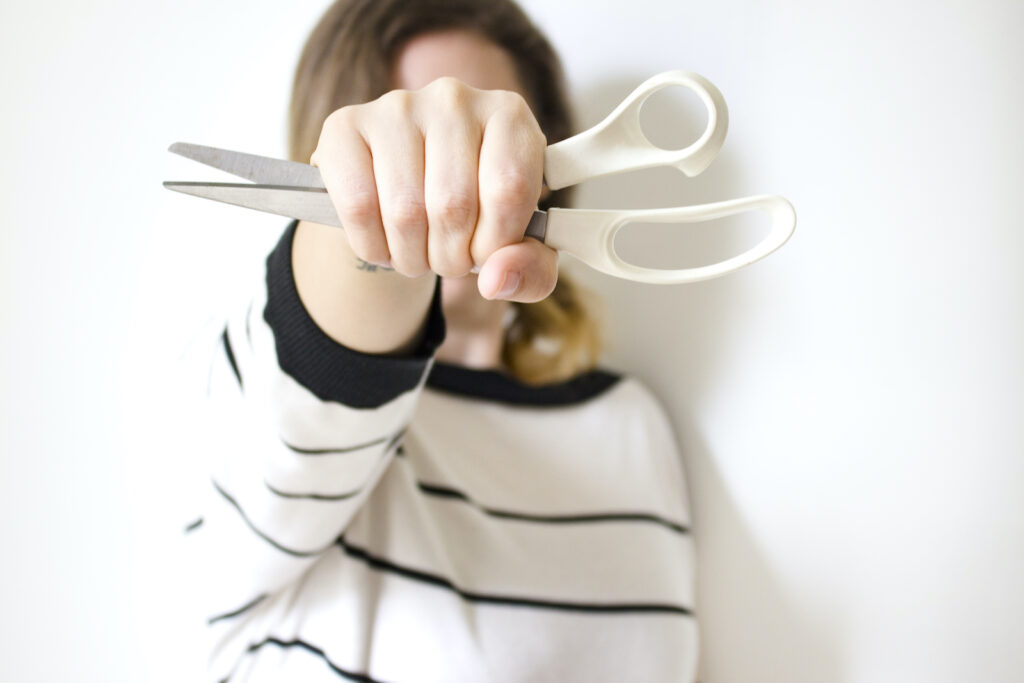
x: 635, y: 404
x: 631, y: 397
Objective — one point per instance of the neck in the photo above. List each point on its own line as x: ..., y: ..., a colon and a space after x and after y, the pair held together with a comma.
x: 476, y: 334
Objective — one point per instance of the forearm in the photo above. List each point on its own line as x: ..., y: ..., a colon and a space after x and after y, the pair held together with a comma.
x: 295, y: 435
x: 364, y: 307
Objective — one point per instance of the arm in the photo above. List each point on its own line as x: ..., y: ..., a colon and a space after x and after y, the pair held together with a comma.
x: 315, y: 383
x: 296, y: 432
x: 439, y: 180
x: 346, y: 295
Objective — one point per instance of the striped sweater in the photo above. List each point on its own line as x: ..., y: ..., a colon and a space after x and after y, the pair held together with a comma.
x: 392, y: 519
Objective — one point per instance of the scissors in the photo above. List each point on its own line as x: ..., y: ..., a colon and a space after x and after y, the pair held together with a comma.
x: 615, y: 145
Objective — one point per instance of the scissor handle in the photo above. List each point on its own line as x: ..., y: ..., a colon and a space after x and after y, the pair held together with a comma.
x: 589, y: 235
x: 618, y: 143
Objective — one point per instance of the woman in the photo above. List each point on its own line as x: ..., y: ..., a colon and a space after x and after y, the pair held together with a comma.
x: 502, y: 513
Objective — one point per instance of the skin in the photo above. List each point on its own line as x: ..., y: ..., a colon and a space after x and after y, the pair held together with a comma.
x: 438, y: 176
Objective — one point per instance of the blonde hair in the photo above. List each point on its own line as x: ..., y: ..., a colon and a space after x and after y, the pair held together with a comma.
x: 347, y: 60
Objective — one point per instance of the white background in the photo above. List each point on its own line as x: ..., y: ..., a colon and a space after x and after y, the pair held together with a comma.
x: 850, y: 409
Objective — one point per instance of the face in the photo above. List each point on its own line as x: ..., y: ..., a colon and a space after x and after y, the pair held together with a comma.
x: 474, y: 60
x: 462, y: 54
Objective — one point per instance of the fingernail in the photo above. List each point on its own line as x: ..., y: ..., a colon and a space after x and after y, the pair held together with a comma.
x: 508, y: 286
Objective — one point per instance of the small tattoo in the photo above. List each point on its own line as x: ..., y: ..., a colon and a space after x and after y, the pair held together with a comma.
x: 370, y: 267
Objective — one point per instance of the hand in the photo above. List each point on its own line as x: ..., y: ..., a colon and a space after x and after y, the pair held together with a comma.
x: 442, y: 179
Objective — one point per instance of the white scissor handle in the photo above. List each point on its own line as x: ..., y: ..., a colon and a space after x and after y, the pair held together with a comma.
x: 589, y: 235
x: 618, y: 143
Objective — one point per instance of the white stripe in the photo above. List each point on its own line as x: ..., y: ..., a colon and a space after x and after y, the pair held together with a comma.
x: 606, y: 562
x: 615, y: 454
x: 399, y: 630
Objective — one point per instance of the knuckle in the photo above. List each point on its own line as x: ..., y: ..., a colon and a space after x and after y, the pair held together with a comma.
x: 509, y: 99
x: 399, y: 101
x: 337, y: 121
x: 511, y: 188
x: 520, y: 109
x: 518, y: 112
x: 448, y: 88
x: 341, y: 117
x: 359, y: 208
x: 453, y: 210
x: 407, y: 214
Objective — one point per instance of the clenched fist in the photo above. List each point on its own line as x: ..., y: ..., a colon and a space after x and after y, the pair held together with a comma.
x: 443, y: 179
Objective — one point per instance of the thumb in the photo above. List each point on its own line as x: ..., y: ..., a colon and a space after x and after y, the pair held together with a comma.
x: 525, y: 272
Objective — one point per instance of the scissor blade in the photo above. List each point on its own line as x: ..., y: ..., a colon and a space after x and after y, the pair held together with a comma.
x: 538, y: 225
x: 252, y: 167
x: 305, y: 203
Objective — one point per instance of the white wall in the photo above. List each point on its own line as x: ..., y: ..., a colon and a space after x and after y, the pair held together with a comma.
x: 850, y: 409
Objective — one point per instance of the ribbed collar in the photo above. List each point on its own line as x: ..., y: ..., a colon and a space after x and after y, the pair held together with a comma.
x: 492, y: 385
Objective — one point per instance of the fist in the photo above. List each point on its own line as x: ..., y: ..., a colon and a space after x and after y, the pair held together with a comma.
x: 443, y: 180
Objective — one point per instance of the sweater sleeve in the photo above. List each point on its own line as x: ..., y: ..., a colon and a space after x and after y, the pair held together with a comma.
x: 297, y: 432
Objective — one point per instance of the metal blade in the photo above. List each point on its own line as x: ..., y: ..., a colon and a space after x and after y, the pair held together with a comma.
x: 252, y: 167
x: 305, y: 203
x: 538, y: 226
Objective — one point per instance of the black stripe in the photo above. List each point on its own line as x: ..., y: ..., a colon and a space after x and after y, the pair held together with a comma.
x: 391, y: 441
x: 350, y: 675
x: 433, y: 579
x: 231, y: 355
x: 241, y: 610
x: 444, y: 492
x: 493, y: 385
x: 334, y: 451
x: 268, y: 539
x: 311, y: 496
x: 397, y: 439
x: 334, y: 496
x: 194, y: 525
